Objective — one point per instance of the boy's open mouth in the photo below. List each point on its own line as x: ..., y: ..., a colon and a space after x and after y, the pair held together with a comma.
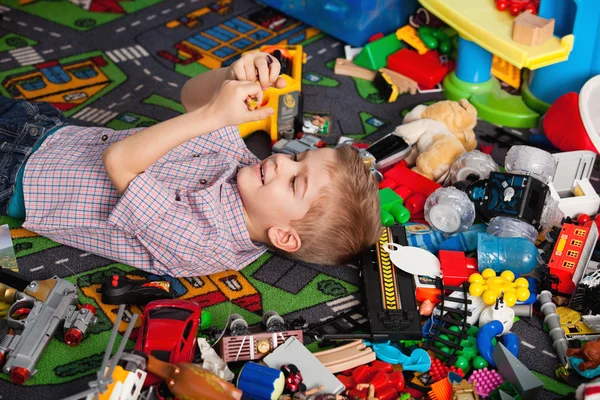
x: 262, y: 174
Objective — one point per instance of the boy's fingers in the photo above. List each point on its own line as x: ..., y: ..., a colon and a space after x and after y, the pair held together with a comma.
x: 262, y: 113
x: 250, y: 71
x: 263, y: 73
x: 238, y: 71
x: 280, y: 83
x: 274, y: 70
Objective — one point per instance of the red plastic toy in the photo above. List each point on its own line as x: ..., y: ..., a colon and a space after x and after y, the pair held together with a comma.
x: 426, y: 69
x: 564, y: 116
x: 516, y: 7
x: 168, y: 332
x: 439, y: 371
x: 389, y: 384
x: 410, y: 186
x: 456, y: 268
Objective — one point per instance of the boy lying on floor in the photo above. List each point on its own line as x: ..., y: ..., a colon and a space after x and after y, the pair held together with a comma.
x: 185, y: 197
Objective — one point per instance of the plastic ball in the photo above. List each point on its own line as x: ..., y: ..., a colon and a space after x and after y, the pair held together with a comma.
x: 454, y: 328
x: 488, y: 273
x: 461, y: 362
x: 508, y: 275
x: 522, y: 282
x: 479, y: 362
x: 445, y: 349
x: 476, y: 289
x: 473, y: 330
x: 583, y: 219
x: 444, y: 337
x: 510, y: 298
x: 475, y: 278
x: 522, y: 294
x: 489, y: 297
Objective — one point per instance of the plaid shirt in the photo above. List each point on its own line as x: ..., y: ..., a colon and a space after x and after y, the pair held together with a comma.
x: 181, y: 217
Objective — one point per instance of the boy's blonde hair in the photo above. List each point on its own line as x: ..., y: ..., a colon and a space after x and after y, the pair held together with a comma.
x: 346, y: 219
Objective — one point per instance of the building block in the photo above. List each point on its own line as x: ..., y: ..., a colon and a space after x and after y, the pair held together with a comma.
x: 516, y: 373
x: 403, y: 83
x: 456, y: 268
x: 532, y: 30
x: 409, y: 35
x: 426, y: 69
x: 388, y: 384
x: 392, y: 208
x: 506, y: 72
x: 374, y: 55
x: 348, y: 68
x: 441, y: 390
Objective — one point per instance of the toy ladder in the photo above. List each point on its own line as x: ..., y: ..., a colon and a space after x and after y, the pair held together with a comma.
x: 444, y: 321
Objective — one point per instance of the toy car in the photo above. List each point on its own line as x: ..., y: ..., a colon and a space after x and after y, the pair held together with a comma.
x: 168, y: 332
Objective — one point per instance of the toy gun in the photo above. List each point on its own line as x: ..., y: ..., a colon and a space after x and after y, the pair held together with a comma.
x: 39, y: 309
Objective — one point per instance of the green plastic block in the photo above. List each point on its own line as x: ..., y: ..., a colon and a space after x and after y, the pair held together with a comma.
x: 374, y: 55
x: 392, y: 208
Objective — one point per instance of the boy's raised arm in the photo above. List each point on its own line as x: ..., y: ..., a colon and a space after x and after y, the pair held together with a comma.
x: 129, y: 157
x: 197, y: 91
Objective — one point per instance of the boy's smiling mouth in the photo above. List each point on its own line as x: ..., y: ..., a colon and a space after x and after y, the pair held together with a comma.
x: 262, y: 174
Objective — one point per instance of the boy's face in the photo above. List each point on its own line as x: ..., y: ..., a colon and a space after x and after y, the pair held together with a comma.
x: 283, y: 188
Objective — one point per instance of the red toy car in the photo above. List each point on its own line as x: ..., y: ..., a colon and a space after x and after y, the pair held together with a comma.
x: 168, y: 332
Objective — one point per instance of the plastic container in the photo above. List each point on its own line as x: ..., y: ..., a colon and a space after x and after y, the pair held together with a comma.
x: 532, y: 161
x: 449, y: 210
x: 518, y: 255
x: 471, y: 166
x: 510, y: 227
x: 352, y: 21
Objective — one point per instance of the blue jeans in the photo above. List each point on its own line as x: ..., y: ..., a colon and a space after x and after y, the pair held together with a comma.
x: 22, y: 124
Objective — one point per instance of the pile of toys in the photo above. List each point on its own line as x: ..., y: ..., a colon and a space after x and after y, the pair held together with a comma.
x: 467, y: 247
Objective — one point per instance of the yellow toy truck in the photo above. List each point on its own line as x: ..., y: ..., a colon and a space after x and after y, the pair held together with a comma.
x: 286, y: 102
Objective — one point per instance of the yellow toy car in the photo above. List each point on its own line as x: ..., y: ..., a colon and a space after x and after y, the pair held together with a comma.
x: 285, y: 102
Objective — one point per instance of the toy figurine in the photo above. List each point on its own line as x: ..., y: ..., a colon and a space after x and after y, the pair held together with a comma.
x: 293, y: 379
x: 589, y: 352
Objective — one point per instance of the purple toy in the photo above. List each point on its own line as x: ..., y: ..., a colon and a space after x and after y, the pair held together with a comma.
x: 486, y: 380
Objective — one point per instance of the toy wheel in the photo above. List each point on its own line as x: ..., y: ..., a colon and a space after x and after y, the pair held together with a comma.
x: 272, y: 320
x: 531, y: 161
x: 237, y: 325
x: 471, y: 166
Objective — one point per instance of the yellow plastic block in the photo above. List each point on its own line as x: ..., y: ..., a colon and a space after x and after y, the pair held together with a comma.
x: 506, y: 72
x: 409, y: 35
x: 480, y: 22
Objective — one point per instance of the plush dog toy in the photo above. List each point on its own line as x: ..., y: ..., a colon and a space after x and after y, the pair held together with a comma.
x: 439, y: 133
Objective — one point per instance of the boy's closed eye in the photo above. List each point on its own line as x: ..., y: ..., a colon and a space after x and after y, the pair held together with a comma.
x: 297, y: 158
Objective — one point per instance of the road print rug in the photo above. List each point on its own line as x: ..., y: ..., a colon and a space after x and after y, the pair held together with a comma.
x: 121, y: 64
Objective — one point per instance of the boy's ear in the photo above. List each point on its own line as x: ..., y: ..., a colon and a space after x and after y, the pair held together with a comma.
x: 286, y: 239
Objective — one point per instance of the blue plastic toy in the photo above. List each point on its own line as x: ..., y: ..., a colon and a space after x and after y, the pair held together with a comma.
x: 581, y: 18
x: 490, y: 331
x: 353, y: 21
x: 259, y: 382
x: 418, y: 361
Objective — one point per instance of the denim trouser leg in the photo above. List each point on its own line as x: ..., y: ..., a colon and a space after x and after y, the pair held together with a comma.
x: 22, y: 124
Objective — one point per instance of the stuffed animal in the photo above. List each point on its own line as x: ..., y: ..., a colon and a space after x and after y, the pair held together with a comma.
x: 439, y: 133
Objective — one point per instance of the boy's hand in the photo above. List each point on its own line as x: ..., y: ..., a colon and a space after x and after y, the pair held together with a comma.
x: 258, y: 66
x: 230, y: 103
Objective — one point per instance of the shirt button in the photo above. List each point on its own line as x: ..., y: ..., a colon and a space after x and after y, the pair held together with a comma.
x: 104, y: 138
x: 203, y: 181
